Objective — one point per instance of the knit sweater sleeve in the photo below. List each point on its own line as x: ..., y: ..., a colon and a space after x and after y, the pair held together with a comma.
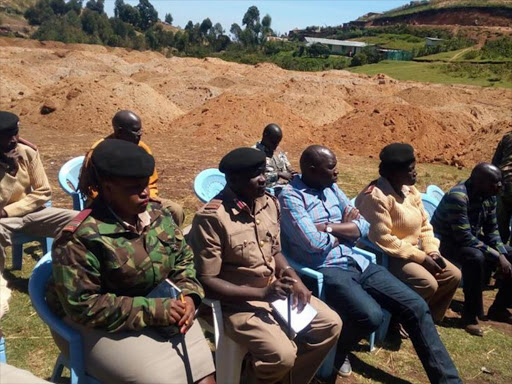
x: 41, y: 192
x: 376, y: 212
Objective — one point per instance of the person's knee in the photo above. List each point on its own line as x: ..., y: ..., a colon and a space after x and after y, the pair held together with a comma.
x: 371, y: 320
x: 283, y: 357
x: 455, y: 275
x: 417, y: 308
x: 473, y: 257
x: 428, y: 288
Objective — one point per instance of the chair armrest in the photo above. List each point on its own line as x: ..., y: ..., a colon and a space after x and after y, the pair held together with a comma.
x: 368, y: 255
x: 218, y: 322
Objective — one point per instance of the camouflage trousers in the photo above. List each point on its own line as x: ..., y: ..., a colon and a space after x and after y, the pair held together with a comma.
x: 504, y: 214
x: 45, y: 222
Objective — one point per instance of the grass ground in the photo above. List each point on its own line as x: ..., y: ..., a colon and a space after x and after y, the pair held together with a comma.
x: 394, y: 41
x: 432, y: 73
x: 29, y: 343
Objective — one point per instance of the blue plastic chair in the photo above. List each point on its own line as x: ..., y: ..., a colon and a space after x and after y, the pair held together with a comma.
x: 208, y: 184
x: 435, y: 192
x: 3, y: 358
x: 430, y: 204
x: 19, y: 238
x: 37, y: 291
x: 68, y: 180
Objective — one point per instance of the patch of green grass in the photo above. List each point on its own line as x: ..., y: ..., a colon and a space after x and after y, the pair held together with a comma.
x: 394, y: 41
x: 429, y: 72
x: 443, y: 56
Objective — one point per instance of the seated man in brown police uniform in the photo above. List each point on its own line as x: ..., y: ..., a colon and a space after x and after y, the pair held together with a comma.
x: 236, y: 244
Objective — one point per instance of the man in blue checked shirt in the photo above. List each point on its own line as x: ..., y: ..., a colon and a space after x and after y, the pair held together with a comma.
x: 319, y: 228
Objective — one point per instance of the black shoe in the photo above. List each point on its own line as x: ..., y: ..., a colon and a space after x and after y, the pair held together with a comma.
x: 500, y: 315
x: 345, y: 370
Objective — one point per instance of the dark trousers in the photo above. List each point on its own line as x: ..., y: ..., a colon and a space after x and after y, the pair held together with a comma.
x: 476, y: 266
x: 504, y: 213
x: 359, y: 297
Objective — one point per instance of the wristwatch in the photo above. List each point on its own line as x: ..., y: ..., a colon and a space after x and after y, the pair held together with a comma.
x: 328, y: 229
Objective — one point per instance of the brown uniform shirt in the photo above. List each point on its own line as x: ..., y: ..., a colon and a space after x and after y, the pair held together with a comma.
x: 231, y: 243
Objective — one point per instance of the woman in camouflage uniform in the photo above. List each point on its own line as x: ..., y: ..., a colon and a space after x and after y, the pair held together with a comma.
x: 107, y: 261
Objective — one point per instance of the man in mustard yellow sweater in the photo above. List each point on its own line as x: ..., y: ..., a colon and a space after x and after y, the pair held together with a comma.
x: 128, y: 126
x: 400, y: 226
x: 24, y: 189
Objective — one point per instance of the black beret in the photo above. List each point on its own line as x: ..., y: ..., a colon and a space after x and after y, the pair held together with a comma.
x: 397, y: 153
x: 242, y: 160
x: 8, y: 122
x: 120, y: 158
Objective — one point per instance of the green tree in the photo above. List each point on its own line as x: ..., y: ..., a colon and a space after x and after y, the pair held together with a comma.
x: 317, y: 50
x: 96, y: 5
x: 148, y: 14
x: 168, y: 18
x: 251, y: 18
x: 39, y: 13
x: 266, y: 30
x: 205, y: 27
x: 58, y: 7
x: 74, y: 5
x: 127, y: 13
x: 236, y: 31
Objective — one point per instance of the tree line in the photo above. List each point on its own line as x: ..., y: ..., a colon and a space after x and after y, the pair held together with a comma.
x: 139, y: 27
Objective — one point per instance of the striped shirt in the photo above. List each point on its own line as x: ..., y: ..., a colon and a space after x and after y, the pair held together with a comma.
x: 468, y: 221
x: 301, y: 209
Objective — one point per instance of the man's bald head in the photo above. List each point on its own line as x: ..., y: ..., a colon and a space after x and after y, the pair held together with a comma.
x: 486, y: 180
x: 127, y: 126
x: 272, y: 136
x: 318, y: 166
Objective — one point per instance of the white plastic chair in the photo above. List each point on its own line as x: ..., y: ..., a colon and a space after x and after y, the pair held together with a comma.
x: 229, y: 355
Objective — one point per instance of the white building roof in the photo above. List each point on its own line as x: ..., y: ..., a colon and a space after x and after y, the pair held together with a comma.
x: 345, y: 43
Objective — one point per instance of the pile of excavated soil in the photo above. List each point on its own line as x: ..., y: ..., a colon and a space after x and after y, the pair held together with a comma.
x: 195, y: 110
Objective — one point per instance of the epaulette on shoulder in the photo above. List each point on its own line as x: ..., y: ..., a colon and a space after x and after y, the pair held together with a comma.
x: 27, y: 143
x: 213, y: 205
x: 73, y: 225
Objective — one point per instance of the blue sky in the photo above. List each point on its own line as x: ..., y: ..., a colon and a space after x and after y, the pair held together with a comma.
x: 286, y: 15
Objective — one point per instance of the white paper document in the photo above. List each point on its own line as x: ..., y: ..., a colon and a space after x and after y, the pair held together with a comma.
x: 299, y: 320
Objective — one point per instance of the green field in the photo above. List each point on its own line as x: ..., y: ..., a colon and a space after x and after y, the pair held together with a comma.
x: 394, y: 41
x: 432, y: 73
x: 444, y: 56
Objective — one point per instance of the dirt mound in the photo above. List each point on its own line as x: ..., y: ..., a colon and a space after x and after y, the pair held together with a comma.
x: 194, y: 110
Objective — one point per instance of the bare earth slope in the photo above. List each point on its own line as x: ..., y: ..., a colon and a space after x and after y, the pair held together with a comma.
x: 195, y: 110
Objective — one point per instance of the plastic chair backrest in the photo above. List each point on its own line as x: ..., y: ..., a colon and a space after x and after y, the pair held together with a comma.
x: 435, y: 192
x: 430, y: 204
x: 68, y: 180
x: 37, y: 291
x: 208, y: 184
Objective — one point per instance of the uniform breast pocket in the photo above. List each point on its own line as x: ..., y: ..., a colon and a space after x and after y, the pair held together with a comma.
x: 243, y: 248
x: 125, y: 267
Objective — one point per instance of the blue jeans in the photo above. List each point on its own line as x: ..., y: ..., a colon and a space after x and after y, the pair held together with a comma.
x: 359, y: 297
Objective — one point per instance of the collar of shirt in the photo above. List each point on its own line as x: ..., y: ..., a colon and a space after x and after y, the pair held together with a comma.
x: 143, y: 220
x: 297, y: 183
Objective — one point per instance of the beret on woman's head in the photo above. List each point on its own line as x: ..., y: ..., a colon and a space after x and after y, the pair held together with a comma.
x: 120, y: 158
x: 397, y: 153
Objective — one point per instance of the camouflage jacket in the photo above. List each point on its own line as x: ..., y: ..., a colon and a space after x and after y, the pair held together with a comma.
x: 276, y: 162
x: 103, y: 271
x: 503, y: 160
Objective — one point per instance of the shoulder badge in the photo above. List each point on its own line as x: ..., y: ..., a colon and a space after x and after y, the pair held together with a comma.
x: 73, y: 225
x: 213, y: 205
x: 27, y: 143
